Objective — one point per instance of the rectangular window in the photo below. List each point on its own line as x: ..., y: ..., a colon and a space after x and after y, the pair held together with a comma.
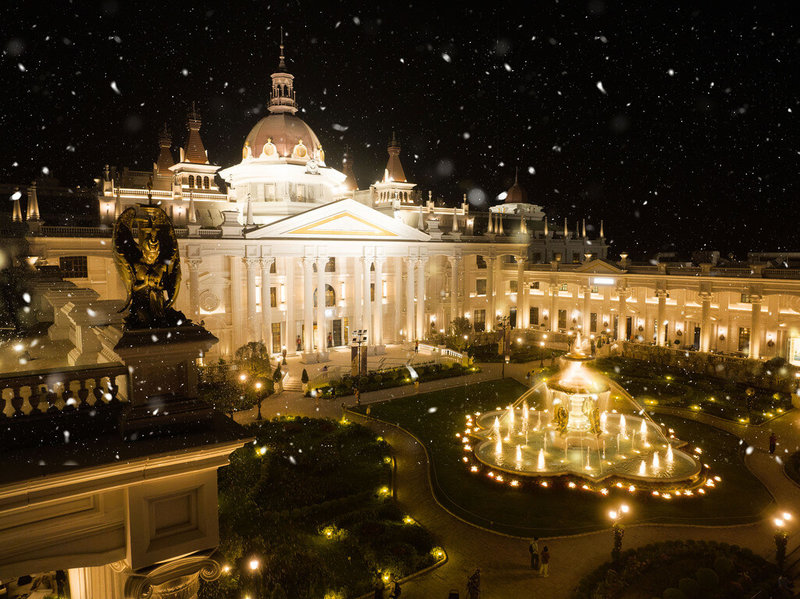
x: 745, y: 299
x: 593, y: 322
x: 479, y: 320
x: 74, y: 267
x: 744, y: 339
x: 480, y: 286
x: 535, y: 285
x: 594, y: 289
x: 562, y: 319
x: 563, y: 287
x: 372, y: 292
x: 513, y: 285
x: 273, y: 297
x: 480, y: 261
x: 277, y: 346
x: 534, y: 315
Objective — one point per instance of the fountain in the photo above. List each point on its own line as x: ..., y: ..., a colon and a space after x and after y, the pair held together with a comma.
x: 589, y: 422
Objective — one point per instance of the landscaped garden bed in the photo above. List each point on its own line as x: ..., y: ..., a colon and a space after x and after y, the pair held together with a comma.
x: 681, y: 570
x: 436, y: 417
x: 309, y: 504
x: 657, y: 385
x: 386, y: 379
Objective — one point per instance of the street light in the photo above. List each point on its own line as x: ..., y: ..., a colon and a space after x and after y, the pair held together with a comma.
x: 258, y: 386
x: 253, y: 565
x: 616, y: 516
x: 781, y: 537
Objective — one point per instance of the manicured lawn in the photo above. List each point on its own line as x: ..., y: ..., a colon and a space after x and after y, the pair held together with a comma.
x: 436, y: 417
x: 314, y: 508
x: 654, y: 384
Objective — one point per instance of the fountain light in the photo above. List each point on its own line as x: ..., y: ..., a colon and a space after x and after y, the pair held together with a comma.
x: 622, y: 426
x: 519, y: 456
x: 603, y: 421
x: 525, y: 412
x: 643, y: 432
x: 656, y: 461
x: 540, y: 462
x: 498, y: 448
x: 642, y: 469
x: 670, y: 457
x: 496, y: 428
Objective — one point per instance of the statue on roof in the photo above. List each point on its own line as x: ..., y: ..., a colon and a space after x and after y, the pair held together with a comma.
x: 146, y: 253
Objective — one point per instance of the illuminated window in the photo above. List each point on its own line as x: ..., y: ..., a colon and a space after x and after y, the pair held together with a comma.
x: 330, y: 265
x: 273, y: 297
x: 513, y: 286
x: 534, y: 315
x: 745, y: 299
x: 479, y: 320
x: 330, y: 297
x: 191, y: 180
x: 205, y: 182
x: 74, y: 267
x: 563, y: 287
x: 535, y: 285
x: 480, y: 287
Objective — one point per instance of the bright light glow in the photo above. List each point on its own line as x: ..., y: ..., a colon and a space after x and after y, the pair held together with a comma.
x: 624, y: 508
x: 612, y: 514
x: 602, y: 281
x: 254, y: 564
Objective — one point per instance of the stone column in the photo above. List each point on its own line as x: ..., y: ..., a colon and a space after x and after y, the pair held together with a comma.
x: 358, y: 289
x: 291, y: 327
x: 378, y: 301
x: 554, y: 307
x: 252, y: 320
x: 662, y: 316
x: 266, y: 303
x: 421, y: 324
x: 194, y: 287
x: 322, y: 332
x: 755, y: 327
x: 397, y: 299
x: 587, y: 308
x: 367, y: 318
x: 490, y: 282
x: 622, y: 328
x: 236, y: 303
x: 308, y: 305
x: 454, y: 264
x: 521, y: 316
x: 411, y: 334
x: 705, y: 321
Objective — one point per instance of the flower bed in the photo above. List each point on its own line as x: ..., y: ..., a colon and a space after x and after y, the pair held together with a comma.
x: 681, y: 570
x: 386, y: 379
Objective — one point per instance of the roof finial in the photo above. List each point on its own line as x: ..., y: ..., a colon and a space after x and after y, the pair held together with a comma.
x: 516, y: 176
x: 282, y: 58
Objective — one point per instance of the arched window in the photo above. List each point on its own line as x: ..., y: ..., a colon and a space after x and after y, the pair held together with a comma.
x: 191, y: 180
x: 205, y: 182
x: 330, y: 297
x: 330, y: 265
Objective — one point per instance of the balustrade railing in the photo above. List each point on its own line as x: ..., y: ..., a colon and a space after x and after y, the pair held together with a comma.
x: 64, y: 390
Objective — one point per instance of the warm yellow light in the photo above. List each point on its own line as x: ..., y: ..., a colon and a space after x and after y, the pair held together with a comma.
x: 786, y: 516
x: 243, y: 377
x: 624, y: 508
x: 612, y: 514
x: 254, y: 564
x: 778, y: 522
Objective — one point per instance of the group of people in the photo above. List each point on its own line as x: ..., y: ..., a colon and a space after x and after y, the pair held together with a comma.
x: 540, y: 561
x: 393, y: 587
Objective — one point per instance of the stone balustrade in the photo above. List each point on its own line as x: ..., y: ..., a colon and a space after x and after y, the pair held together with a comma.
x: 52, y: 391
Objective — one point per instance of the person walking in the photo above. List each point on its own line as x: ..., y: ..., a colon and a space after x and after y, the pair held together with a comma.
x: 533, y: 548
x: 773, y: 442
x: 544, y: 567
x: 474, y: 585
x: 394, y: 585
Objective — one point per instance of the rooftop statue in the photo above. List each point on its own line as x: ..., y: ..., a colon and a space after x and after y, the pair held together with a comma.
x: 146, y: 254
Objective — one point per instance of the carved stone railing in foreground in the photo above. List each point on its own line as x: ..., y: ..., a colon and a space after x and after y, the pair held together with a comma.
x: 68, y: 389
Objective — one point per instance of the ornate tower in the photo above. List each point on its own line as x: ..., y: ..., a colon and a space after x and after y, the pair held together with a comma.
x: 281, y: 96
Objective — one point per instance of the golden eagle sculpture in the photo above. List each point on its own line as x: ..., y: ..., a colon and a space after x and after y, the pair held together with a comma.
x: 147, y: 258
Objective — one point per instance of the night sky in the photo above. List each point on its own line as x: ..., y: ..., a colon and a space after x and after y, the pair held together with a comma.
x: 675, y: 124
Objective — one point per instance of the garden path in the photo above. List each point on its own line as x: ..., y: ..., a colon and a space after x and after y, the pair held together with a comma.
x: 504, y: 560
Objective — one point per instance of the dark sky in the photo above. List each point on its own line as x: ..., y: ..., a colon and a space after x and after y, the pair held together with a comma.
x: 675, y: 124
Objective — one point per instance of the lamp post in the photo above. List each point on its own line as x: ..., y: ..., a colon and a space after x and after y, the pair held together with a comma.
x: 258, y: 386
x: 359, y: 366
x: 503, y: 323
x: 616, y: 516
x: 254, y: 564
x: 781, y: 537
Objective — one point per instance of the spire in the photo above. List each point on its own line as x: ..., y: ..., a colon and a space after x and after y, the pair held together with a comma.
x: 33, y: 203
x: 165, y: 159
x: 347, y: 168
x: 281, y: 96
x: 195, y: 152
x: 566, y: 230
x: 394, y: 168
x: 584, y: 229
x: 516, y: 194
x: 500, y: 227
x: 17, y: 211
x: 602, y: 234
x: 546, y: 232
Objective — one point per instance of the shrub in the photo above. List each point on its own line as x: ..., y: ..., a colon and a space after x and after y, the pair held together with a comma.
x: 707, y: 578
x: 723, y: 566
x: 673, y: 593
x: 689, y: 587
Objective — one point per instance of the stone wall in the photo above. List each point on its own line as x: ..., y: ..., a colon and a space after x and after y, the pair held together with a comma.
x: 741, y: 370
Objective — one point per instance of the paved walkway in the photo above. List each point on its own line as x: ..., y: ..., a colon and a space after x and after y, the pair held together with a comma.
x: 504, y: 560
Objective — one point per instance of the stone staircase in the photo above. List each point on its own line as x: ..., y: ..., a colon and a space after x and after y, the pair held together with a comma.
x: 292, y: 384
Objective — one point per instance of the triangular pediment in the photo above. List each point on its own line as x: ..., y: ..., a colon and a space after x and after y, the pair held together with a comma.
x: 600, y: 267
x: 344, y: 219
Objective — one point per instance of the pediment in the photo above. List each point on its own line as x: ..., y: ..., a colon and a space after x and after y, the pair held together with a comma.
x: 345, y: 219
x: 600, y: 267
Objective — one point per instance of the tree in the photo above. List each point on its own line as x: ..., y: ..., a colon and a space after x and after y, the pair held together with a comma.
x: 460, y: 329
x: 255, y: 372
x: 219, y: 387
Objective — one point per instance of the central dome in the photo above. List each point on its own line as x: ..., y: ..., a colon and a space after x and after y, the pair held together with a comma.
x: 285, y: 130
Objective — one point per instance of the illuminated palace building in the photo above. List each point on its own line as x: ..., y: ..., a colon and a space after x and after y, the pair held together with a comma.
x: 284, y: 248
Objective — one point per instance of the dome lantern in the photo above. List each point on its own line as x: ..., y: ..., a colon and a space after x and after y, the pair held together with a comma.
x: 281, y: 96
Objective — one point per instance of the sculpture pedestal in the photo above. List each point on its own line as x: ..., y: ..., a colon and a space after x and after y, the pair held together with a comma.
x: 162, y: 361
